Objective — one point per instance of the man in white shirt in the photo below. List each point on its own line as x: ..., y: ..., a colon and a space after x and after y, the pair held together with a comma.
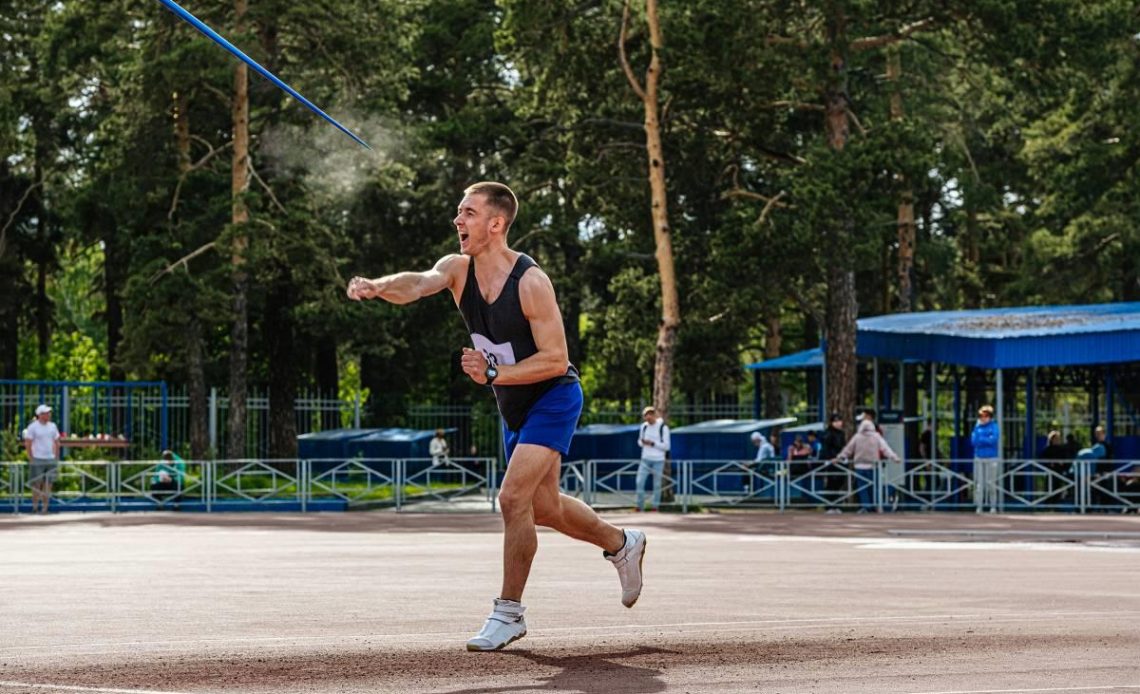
x: 653, y: 438
x: 41, y: 441
x: 438, y: 449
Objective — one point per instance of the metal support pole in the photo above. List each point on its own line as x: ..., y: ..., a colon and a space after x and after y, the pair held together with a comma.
x: 1028, y: 447
x: 164, y: 415
x: 999, y: 414
x: 902, y: 388
x: 757, y: 394
x: 933, y: 453
x: 356, y: 412
x: 1109, y: 403
x: 875, y: 378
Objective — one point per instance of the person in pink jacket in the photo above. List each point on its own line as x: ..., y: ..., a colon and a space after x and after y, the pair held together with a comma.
x: 866, y: 448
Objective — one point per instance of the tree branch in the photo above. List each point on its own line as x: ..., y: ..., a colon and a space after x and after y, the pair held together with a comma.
x: 193, y: 167
x: 12, y: 217
x: 183, y: 261
x: 857, y: 122
x: 869, y: 42
x: 774, y: 40
x: 802, y: 105
x: 637, y: 88
x: 276, y: 202
x: 774, y: 202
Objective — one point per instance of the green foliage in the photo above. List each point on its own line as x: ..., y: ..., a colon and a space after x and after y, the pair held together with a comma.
x: 1016, y: 142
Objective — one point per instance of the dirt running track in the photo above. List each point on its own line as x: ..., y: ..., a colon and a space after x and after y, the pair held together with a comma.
x: 746, y: 602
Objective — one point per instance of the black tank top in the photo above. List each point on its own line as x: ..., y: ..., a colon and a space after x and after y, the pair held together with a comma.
x: 502, y: 333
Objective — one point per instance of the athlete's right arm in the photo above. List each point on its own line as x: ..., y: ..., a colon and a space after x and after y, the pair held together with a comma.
x: 406, y: 287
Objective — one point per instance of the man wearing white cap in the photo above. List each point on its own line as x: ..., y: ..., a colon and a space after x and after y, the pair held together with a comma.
x: 41, y: 440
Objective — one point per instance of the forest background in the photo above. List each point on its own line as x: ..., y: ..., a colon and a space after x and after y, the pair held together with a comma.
x: 708, y: 183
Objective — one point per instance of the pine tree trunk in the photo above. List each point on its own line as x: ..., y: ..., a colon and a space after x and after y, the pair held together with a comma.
x: 906, y: 227
x: 239, y: 332
x: 199, y: 405
x: 280, y: 347
x: 327, y: 371
x: 770, y: 381
x: 842, y: 306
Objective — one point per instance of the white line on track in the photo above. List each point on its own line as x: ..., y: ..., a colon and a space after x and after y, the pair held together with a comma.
x: 1104, y: 688
x: 562, y: 633
x: 70, y: 688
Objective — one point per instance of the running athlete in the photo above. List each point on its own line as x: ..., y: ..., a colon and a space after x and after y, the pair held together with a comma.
x: 520, y: 351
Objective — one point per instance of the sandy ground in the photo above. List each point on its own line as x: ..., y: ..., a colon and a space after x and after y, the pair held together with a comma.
x: 741, y: 602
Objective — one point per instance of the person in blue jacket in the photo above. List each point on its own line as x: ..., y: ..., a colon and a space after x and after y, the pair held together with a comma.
x: 986, y: 440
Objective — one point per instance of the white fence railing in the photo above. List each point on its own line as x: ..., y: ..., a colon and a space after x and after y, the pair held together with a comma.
x: 305, y: 485
x: 250, y: 485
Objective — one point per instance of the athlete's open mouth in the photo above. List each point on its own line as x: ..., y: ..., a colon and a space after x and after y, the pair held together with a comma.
x: 462, y: 237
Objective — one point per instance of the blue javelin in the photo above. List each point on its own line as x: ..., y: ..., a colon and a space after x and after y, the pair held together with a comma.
x: 201, y: 26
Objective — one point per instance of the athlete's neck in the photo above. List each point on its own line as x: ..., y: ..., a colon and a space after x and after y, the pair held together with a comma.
x: 495, y: 261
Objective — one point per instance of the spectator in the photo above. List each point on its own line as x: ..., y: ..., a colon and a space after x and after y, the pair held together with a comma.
x: 866, y: 448
x: 986, y: 440
x: 835, y: 479
x: 438, y: 449
x: 870, y: 415
x: 764, y: 449
x: 1101, y: 469
x: 774, y: 439
x: 1056, y: 457
x: 813, y: 444
x: 1071, y: 446
x: 166, y: 481
x: 41, y: 441
x: 799, y: 451
x: 927, y: 448
x: 653, y: 437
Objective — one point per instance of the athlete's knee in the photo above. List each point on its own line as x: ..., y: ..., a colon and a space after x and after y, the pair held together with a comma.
x: 513, y: 503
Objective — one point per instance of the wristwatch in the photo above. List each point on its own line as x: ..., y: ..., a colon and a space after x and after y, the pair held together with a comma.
x: 491, y: 373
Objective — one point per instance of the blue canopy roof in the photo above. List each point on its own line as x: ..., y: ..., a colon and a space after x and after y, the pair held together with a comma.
x: 1003, y: 338
x: 807, y: 359
x: 733, y: 426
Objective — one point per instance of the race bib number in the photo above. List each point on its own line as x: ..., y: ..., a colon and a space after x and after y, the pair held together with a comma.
x: 495, y: 354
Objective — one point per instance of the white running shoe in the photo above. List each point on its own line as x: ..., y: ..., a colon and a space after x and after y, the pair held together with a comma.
x: 505, y: 625
x: 628, y: 563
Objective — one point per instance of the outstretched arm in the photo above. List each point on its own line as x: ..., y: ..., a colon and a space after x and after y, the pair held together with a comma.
x: 406, y: 287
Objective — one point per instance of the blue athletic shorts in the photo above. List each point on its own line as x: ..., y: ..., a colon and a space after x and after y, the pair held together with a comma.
x: 551, y: 421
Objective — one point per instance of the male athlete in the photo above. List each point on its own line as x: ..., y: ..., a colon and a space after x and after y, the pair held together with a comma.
x: 520, y: 351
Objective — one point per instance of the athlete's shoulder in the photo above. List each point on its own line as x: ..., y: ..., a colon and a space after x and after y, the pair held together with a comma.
x: 453, y: 264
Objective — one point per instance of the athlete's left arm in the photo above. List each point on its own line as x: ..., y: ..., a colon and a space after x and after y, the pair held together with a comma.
x: 539, y: 305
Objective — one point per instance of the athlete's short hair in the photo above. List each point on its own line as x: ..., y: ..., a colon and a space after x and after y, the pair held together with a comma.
x: 498, y: 196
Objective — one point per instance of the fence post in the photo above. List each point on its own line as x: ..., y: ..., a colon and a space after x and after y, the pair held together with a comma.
x: 214, y: 421
x: 684, y: 468
x: 591, y: 481
x: 356, y: 412
x: 1083, y: 481
x: 877, y: 488
x: 783, y: 494
x: 493, y: 477
x: 113, y: 485
x: 398, y: 492
x: 303, y: 484
x: 208, y: 483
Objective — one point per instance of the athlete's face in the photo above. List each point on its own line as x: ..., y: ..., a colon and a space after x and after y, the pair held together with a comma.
x: 476, y: 222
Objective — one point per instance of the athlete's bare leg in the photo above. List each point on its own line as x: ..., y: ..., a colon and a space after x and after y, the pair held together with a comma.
x: 530, y: 492
x: 572, y: 517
